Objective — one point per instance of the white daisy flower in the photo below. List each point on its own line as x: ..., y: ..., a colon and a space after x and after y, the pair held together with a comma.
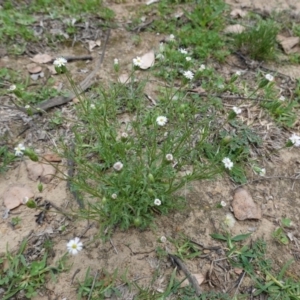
x: 295, y: 139
x: 269, y: 77
x: 282, y: 98
x: 202, y: 67
x: 171, y: 37
x: 74, y: 246
x: 60, y: 62
x: 25, y: 200
x: 238, y: 73
x: 137, y: 61
x: 19, y: 150
x: 237, y: 110
x: 161, y: 120
x: 188, y: 58
x: 183, y: 51
x: 157, y: 202
x: 114, y: 196
x: 223, y: 203
x: 27, y: 106
x: 12, y: 87
x: 229, y: 220
x: 92, y: 106
x: 116, y: 61
x: 124, y: 135
x: 163, y: 239
x: 169, y: 157
x: 227, y: 163
x: 262, y: 172
x: 188, y: 74
x: 118, y: 166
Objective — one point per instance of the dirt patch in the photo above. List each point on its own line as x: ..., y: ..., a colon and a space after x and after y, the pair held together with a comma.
x: 135, y: 251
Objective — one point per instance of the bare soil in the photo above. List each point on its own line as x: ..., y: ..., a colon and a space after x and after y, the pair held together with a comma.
x: 134, y: 250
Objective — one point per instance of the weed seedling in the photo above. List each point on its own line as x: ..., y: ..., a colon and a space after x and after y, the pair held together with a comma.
x: 17, y: 274
x: 259, y: 41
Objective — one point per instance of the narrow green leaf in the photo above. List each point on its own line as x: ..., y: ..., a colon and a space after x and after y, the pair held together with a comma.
x: 218, y: 236
x: 240, y: 237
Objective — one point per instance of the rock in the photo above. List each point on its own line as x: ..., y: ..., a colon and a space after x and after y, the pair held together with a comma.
x: 14, y: 195
x: 244, y: 207
x: 39, y: 170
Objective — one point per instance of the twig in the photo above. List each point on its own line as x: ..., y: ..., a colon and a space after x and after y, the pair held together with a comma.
x: 230, y: 97
x: 95, y: 277
x: 113, y: 246
x: 205, y: 247
x: 73, y: 58
x: 190, y: 277
x: 84, y: 85
x: 86, y: 230
x: 73, y: 277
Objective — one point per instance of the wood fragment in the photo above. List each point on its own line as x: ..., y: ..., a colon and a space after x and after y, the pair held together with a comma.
x: 190, y: 277
x: 74, y: 58
x: 83, y: 86
x: 91, y: 291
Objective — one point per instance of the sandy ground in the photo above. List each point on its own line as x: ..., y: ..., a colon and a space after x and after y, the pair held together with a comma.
x: 134, y: 250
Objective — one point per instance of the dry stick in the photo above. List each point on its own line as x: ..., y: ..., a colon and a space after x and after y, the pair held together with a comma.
x: 73, y: 58
x: 95, y: 277
x: 190, y: 277
x: 230, y: 97
x: 86, y: 230
x: 113, y: 246
x: 60, y: 210
x: 84, y: 85
x: 73, y: 277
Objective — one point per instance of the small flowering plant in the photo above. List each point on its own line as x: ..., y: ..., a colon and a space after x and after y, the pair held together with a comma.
x: 294, y: 140
x: 116, y: 65
x: 234, y: 112
x: 60, y: 65
x: 74, y: 246
x: 228, y: 164
x: 21, y: 150
x: 161, y: 120
x: 137, y: 62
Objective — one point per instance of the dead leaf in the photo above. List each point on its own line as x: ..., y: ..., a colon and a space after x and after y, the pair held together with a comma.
x: 199, y: 277
x: 15, y: 194
x: 288, y: 43
x: 58, y: 85
x: 237, y: 28
x: 93, y: 44
x: 238, y: 271
x: 33, y: 68
x: 124, y: 78
x: 48, y: 173
x: 52, y: 70
x: 148, y: 60
x: 238, y: 13
x: 42, y: 58
x: 52, y: 157
x: 198, y: 90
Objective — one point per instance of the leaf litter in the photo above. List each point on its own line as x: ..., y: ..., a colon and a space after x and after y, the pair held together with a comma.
x: 191, y: 224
